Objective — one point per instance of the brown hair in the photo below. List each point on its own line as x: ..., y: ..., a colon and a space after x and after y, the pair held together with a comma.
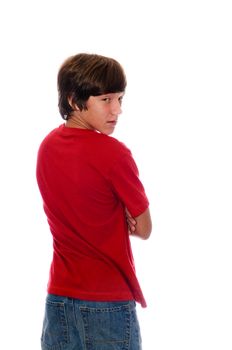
x: 85, y: 75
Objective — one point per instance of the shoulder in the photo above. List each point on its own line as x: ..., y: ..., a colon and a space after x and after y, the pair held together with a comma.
x: 109, y: 152
x: 51, y: 134
x: 49, y: 141
x: 112, y: 144
x: 56, y: 133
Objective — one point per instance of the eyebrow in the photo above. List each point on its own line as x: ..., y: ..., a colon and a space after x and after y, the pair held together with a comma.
x: 113, y: 94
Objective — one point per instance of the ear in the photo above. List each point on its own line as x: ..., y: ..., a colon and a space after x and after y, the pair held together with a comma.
x: 72, y: 104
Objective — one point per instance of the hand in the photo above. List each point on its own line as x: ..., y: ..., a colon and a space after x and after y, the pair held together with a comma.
x: 131, y: 222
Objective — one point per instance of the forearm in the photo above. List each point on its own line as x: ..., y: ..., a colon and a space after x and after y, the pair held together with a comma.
x: 140, y: 226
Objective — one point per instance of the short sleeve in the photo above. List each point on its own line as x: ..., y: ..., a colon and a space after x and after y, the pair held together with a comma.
x: 124, y: 177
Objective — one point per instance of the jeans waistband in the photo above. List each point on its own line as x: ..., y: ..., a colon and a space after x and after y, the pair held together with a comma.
x: 90, y: 303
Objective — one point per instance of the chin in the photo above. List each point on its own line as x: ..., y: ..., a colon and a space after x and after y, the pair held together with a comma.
x: 106, y: 132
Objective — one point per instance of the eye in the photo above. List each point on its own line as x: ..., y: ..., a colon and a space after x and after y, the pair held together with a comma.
x: 106, y: 99
x: 120, y: 99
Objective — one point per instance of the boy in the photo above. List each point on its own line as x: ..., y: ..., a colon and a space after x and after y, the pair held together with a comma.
x: 93, y: 200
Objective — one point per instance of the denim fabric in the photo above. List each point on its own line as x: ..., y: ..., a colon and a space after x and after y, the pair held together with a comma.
x: 72, y: 324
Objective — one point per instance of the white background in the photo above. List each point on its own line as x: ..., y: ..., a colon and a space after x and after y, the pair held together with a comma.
x: 176, y: 120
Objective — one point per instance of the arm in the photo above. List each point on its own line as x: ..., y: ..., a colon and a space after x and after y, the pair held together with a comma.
x: 124, y: 177
x: 140, y: 226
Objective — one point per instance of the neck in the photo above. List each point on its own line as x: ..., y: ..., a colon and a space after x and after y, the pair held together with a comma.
x: 76, y: 121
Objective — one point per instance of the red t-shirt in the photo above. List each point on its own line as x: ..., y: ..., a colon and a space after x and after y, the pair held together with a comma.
x: 86, y: 180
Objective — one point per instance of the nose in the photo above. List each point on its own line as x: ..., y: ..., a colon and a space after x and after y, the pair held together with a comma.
x: 116, y: 108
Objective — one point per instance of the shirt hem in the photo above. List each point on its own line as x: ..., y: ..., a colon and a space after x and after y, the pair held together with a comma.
x: 96, y: 296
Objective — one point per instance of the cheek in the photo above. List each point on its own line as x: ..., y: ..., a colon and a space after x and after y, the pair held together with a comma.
x: 101, y: 111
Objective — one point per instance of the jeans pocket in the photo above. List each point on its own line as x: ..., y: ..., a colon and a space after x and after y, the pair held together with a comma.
x: 106, y: 328
x: 55, y: 327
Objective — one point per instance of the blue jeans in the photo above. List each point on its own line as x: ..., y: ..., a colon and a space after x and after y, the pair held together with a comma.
x: 73, y: 324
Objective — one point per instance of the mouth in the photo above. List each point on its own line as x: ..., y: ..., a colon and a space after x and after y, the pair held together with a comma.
x: 112, y: 122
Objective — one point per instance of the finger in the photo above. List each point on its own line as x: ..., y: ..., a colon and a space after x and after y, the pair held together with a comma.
x: 128, y: 213
x: 131, y: 220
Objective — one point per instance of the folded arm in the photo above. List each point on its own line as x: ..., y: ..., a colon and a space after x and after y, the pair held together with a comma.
x: 141, y: 225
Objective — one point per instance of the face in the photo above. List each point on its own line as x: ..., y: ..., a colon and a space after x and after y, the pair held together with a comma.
x: 101, y: 114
